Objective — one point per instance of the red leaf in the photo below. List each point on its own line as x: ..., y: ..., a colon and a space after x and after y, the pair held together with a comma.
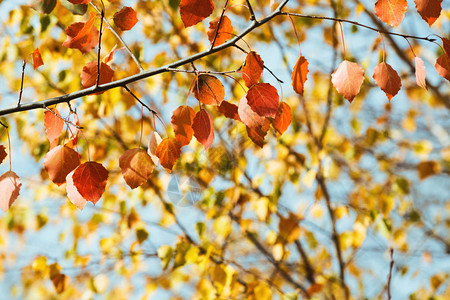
x: 3, y: 153
x: 10, y: 188
x: 90, y: 180
x: 247, y: 115
x: 446, y: 46
x: 153, y: 143
x: 257, y: 134
x: 168, y: 151
x: 79, y: 1
x: 137, y: 167
x: 443, y: 66
x: 59, y: 162
x: 263, y: 99
x: 347, y: 79
x: 283, y: 118
x: 254, y: 65
x: 126, y: 18
x: 203, y: 128
x: 89, y: 75
x: 37, y: 59
x: 420, y: 72
x: 74, y: 196
x: 225, y: 31
x: 182, y: 120
x: 209, y: 90
x: 429, y: 10
x: 299, y: 75
x: 229, y: 110
x: 387, y: 79
x: 194, y: 11
x: 391, y: 12
x: 53, y: 124
x: 82, y: 36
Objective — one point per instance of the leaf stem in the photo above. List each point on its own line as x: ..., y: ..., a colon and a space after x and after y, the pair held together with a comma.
x: 296, y: 35
x: 216, y: 33
x: 100, y: 43
x: 21, y: 82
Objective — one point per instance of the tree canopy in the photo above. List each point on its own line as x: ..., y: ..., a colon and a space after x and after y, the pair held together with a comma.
x: 206, y: 149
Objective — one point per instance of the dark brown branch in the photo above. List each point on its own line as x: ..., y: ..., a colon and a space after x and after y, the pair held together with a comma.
x: 100, y: 44
x: 139, y: 100
x: 216, y: 33
x: 252, y: 13
x: 308, y: 267
x: 391, y: 265
x: 254, y: 240
x: 334, y: 236
x: 21, y: 81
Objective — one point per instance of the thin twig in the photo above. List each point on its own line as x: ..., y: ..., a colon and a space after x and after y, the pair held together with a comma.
x: 357, y: 24
x: 120, y: 39
x: 216, y: 33
x: 252, y: 13
x: 3, y: 124
x: 391, y: 265
x: 65, y: 121
x: 139, y: 100
x: 21, y: 82
x: 100, y: 44
x: 265, y: 67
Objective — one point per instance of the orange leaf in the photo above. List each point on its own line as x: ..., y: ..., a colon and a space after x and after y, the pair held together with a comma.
x: 89, y: 75
x: 126, y: 18
x: 420, y: 72
x: 73, y: 194
x: 110, y: 55
x: 137, y: 167
x: 153, y: 143
x: 194, y: 11
x: 443, y: 66
x: 37, y: 59
x: 387, y: 79
x: 283, y: 118
x: 229, y: 110
x: 209, y: 90
x: 79, y: 1
x: 59, y: 162
x: 247, y: 115
x: 254, y: 65
x: 90, y: 180
x: 10, y: 188
x: 257, y: 134
x: 203, y: 128
x: 299, y: 75
x: 182, y: 120
x: 168, y: 151
x: 391, y: 12
x: 429, y: 10
x: 3, y: 153
x: 53, y: 124
x: 263, y: 99
x: 347, y: 79
x: 82, y: 36
x: 224, y: 33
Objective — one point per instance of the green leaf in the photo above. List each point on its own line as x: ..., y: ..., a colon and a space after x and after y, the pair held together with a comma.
x: 141, y: 235
x: 76, y: 9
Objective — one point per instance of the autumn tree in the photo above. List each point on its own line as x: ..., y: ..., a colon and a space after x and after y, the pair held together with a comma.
x: 228, y: 149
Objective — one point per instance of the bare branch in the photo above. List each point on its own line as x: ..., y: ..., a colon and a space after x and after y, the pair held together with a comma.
x: 391, y: 265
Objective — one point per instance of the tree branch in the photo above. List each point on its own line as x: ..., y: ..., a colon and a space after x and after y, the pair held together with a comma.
x: 142, y: 75
x: 390, y: 274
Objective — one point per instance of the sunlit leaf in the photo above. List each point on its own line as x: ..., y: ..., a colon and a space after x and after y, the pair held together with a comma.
x: 263, y: 99
x: 126, y: 18
x: 387, y: 79
x: 182, y: 120
x: 347, y: 79
x: 203, y: 128
x: 90, y: 180
x: 194, y: 11
x: 209, y: 90
x: 224, y: 33
x: 10, y: 188
x: 59, y: 162
x: 429, y: 10
x: 168, y: 151
x: 137, y: 167
x: 254, y: 65
x: 391, y: 12
x: 299, y: 75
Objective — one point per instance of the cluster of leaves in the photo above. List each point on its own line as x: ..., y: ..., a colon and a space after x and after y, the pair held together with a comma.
x: 258, y: 111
